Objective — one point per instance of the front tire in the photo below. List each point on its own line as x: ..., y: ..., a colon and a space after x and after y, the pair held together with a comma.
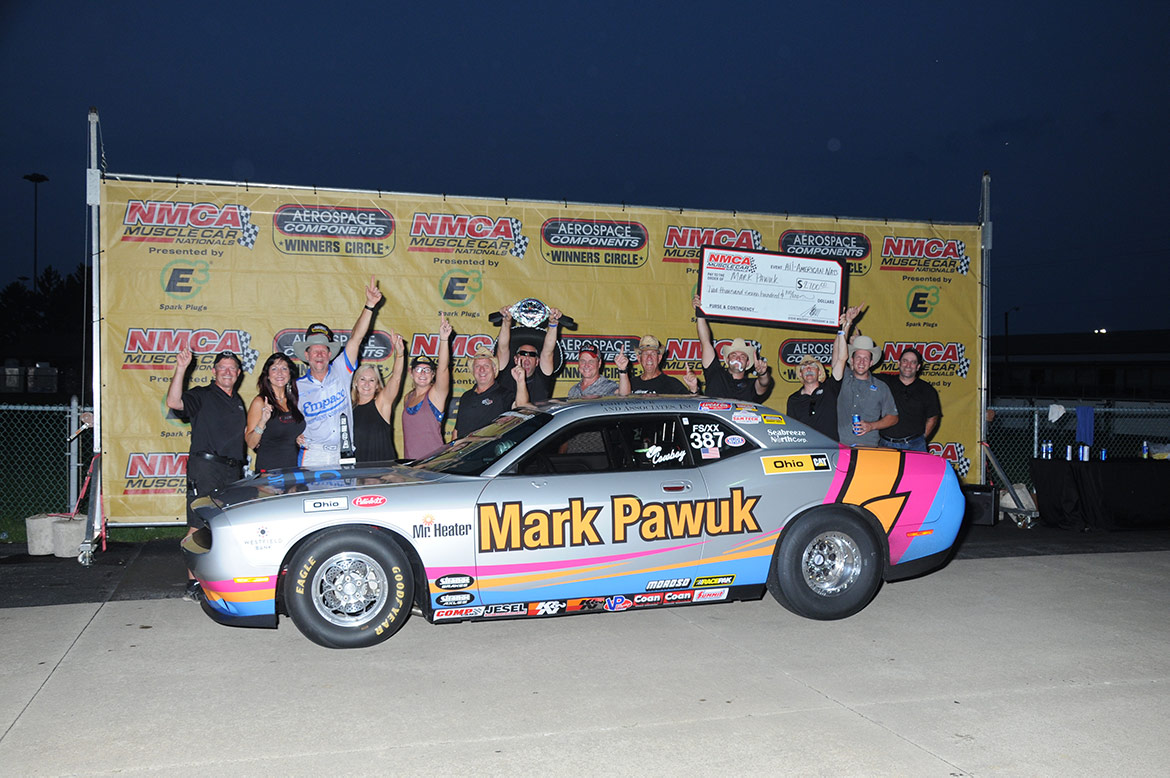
x: 349, y: 588
x: 828, y: 566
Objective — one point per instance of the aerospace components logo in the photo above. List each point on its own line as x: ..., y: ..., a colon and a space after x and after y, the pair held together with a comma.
x: 925, y: 255
x: 376, y: 347
x: 155, y: 348
x: 594, y: 243
x: 447, y: 233
x: 333, y: 230
x: 851, y: 247
x: 685, y: 244
x: 195, y: 224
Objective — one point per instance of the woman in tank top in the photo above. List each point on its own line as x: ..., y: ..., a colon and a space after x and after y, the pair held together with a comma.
x: 373, y: 406
x: 275, y: 425
x: 422, y: 410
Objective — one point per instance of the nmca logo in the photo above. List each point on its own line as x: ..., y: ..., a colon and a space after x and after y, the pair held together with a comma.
x: 155, y: 348
x: 685, y: 244
x: 463, y: 234
x: 955, y: 453
x: 938, y: 359
x: 691, y: 349
x: 160, y: 221
x: 925, y: 255
x: 156, y: 472
x: 427, y: 344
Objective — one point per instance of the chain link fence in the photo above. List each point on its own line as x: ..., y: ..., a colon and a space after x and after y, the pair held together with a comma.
x: 1016, y: 434
x: 35, y: 470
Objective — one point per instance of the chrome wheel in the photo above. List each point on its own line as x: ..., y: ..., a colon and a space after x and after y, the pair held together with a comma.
x: 831, y: 563
x: 349, y: 589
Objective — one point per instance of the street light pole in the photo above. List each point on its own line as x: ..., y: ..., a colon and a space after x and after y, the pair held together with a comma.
x: 37, y: 179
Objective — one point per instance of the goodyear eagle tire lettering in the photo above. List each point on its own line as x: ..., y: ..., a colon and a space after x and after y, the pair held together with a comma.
x: 349, y: 588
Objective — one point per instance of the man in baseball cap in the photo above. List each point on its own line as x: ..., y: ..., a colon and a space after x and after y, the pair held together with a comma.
x: 592, y: 383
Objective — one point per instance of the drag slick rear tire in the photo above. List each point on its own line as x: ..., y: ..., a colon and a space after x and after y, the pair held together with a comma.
x: 349, y: 587
x: 828, y: 566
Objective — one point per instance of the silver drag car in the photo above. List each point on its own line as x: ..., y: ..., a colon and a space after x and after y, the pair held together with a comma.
x: 597, y: 505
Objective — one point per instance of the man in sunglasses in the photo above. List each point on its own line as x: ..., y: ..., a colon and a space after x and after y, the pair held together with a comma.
x: 538, y: 367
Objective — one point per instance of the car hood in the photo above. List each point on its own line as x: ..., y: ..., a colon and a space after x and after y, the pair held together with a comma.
x: 293, y: 480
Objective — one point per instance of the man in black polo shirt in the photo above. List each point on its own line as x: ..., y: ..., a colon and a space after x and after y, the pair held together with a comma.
x: 538, y: 366
x: 217, y: 417
x: 488, y: 397
x: 731, y: 381
x: 918, y: 406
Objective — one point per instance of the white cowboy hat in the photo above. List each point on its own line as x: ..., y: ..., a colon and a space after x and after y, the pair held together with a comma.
x: 865, y: 343
x: 317, y: 335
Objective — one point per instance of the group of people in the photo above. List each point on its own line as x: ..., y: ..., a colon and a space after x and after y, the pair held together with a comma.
x: 857, y: 407
x: 341, y: 408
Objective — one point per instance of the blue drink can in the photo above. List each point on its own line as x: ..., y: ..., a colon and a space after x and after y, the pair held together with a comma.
x: 856, y: 424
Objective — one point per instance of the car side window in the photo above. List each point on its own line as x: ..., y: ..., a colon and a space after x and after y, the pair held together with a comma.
x: 609, y: 445
x: 711, y: 440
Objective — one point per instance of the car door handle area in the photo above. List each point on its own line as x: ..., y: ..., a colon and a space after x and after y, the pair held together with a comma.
x: 674, y: 487
x: 539, y: 484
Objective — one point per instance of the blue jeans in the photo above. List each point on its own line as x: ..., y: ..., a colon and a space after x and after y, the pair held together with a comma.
x: 916, y: 443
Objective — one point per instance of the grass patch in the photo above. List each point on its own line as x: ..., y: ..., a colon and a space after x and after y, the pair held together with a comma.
x: 13, y: 531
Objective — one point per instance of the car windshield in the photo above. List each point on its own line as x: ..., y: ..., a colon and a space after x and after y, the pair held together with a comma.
x: 476, y: 452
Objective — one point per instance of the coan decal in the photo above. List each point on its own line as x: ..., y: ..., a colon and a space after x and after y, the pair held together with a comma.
x: 447, y: 233
x: 594, y: 243
x: 508, y: 527
x: 685, y: 244
x: 331, y: 230
x: 191, y: 224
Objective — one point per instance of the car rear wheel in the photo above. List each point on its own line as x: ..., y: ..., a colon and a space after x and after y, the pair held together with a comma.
x: 828, y: 566
x: 349, y: 588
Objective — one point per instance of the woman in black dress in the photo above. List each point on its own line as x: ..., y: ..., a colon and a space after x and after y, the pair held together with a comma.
x: 275, y: 423
x: 373, y: 406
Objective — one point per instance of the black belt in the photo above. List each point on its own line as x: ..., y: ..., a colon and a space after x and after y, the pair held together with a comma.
x: 218, y: 459
x: 906, y: 439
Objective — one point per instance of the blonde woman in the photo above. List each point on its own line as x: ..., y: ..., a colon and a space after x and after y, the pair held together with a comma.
x: 373, y: 406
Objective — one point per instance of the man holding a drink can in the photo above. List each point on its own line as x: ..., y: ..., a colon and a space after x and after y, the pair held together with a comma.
x: 864, y: 404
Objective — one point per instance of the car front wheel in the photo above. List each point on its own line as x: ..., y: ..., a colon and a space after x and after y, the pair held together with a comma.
x: 349, y: 588
x: 828, y: 566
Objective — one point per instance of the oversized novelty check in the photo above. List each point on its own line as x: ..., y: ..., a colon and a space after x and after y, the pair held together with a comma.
x: 762, y: 287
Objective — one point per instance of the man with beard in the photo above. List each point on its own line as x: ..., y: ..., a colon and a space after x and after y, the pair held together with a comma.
x: 732, y: 381
x: 918, y: 406
x: 538, y: 367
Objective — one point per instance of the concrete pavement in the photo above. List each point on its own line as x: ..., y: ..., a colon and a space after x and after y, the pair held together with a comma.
x: 1036, y: 665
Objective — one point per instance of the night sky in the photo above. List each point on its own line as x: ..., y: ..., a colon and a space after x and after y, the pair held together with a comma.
x: 851, y: 109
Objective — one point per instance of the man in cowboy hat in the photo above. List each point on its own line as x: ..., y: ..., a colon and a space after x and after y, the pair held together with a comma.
x: 862, y: 393
x: 815, y: 402
x: 488, y: 397
x: 652, y: 380
x: 324, y: 392
x: 731, y: 381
